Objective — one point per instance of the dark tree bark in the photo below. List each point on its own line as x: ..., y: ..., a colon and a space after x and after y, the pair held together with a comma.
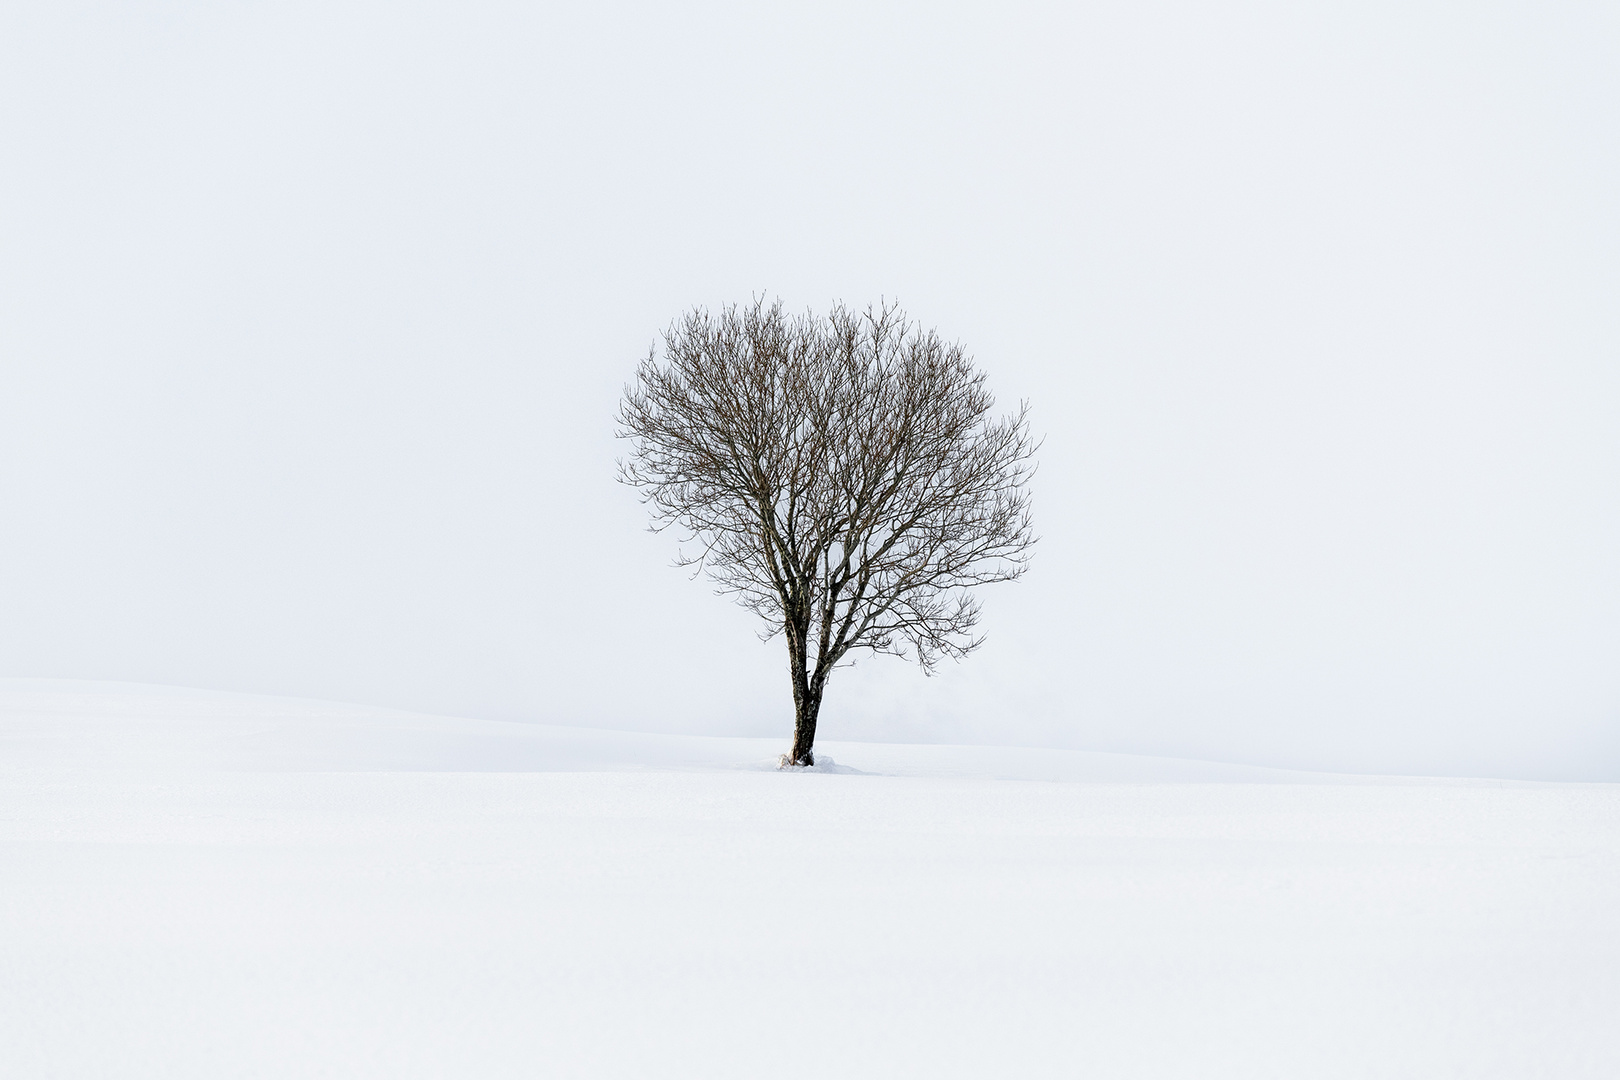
x: 806, y: 707
x: 841, y: 477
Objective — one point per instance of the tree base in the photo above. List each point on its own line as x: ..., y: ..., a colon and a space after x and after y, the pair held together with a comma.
x: 807, y: 762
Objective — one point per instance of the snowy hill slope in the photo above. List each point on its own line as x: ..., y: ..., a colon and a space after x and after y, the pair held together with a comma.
x: 204, y: 885
x: 66, y: 724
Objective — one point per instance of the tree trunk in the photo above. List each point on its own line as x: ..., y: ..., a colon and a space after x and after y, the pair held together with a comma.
x: 806, y: 707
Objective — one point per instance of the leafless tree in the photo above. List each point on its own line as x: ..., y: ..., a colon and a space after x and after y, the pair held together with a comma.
x: 841, y: 476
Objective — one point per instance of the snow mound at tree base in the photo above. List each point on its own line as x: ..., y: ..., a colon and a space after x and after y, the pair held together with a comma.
x: 823, y: 764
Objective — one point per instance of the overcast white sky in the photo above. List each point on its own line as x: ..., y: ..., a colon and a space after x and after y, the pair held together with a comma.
x: 313, y: 318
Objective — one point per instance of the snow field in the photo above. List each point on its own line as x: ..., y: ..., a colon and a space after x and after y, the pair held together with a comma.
x: 186, y: 914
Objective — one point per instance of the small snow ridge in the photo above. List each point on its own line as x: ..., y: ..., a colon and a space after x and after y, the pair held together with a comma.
x: 824, y: 764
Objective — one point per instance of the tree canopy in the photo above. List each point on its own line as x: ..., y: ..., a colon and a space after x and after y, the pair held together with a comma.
x: 841, y: 476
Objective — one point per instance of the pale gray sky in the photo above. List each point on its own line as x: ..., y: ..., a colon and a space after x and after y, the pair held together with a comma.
x: 313, y: 318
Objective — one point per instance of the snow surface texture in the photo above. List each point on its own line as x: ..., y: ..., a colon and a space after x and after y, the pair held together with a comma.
x: 210, y: 885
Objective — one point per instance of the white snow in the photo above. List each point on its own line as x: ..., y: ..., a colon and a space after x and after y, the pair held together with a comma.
x: 209, y: 885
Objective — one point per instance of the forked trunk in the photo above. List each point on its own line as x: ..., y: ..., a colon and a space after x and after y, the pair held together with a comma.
x: 806, y: 706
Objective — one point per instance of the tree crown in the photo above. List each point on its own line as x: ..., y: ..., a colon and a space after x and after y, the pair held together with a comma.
x: 841, y: 475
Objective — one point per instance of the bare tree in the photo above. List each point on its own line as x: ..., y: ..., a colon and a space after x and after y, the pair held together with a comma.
x: 840, y: 476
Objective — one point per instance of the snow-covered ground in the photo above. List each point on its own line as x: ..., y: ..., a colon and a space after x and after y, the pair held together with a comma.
x: 209, y: 885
